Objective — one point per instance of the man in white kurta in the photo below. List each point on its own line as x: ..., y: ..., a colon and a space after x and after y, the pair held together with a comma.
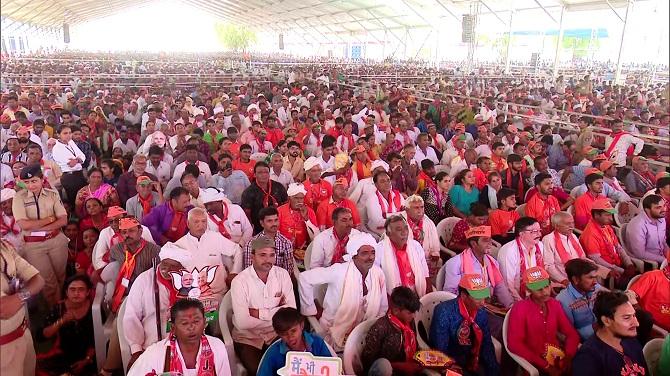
x: 618, y: 142
x: 422, y: 228
x: 226, y: 218
x: 330, y: 244
x: 356, y: 291
x: 380, y: 205
x: 403, y: 260
x: 139, y: 320
x: 257, y: 293
x: 214, y: 259
x: 366, y: 188
x: 528, y: 236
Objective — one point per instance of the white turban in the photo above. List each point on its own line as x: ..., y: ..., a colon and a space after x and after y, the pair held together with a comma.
x: 379, y: 163
x: 356, y: 242
x: 211, y: 195
x: 6, y: 194
x: 310, y: 163
x: 218, y: 109
x: 295, y: 188
x: 252, y: 107
x: 172, y: 252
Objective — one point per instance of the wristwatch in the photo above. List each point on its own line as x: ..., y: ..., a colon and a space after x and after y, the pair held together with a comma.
x: 24, y: 294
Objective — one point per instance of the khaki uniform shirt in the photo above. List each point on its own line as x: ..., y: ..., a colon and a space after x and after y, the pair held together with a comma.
x: 12, y: 265
x: 27, y: 205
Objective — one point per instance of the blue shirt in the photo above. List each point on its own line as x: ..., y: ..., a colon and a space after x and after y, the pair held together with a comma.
x: 462, y: 199
x: 275, y: 356
x: 579, y: 309
x: 444, y: 337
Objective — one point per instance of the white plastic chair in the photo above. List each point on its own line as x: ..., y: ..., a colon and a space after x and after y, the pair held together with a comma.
x: 351, y: 359
x: 652, y: 353
x: 101, y: 331
x: 123, y: 342
x: 574, y: 191
x: 226, y: 324
x: 445, y: 229
x: 529, y: 368
x: 621, y: 219
x: 521, y: 209
x: 439, y: 279
x: 308, y: 256
x: 424, y: 317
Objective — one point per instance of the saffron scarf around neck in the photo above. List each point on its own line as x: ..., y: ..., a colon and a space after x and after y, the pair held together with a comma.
x: 345, y: 318
x: 340, y: 248
x: 392, y: 273
x: 394, y: 204
x: 522, y: 263
x: 123, y: 280
x: 492, y: 275
x: 562, y: 252
x: 465, y: 335
x: 408, y: 336
x: 205, y: 362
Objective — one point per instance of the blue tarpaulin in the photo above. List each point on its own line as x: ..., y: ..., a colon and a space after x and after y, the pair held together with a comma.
x: 575, y: 33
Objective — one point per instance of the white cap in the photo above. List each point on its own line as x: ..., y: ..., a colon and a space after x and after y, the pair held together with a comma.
x: 295, y: 189
x: 292, y: 99
x: 218, y: 109
x: 211, y: 195
x: 304, y: 88
x: 252, y: 107
x: 197, y: 111
x: 356, y: 242
x: 379, y: 163
x: 173, y: 252
x: 285, y: 90
x: 6, y: 194
x: 310, y: 163
x: 225, y: 97
x: 311, y: 95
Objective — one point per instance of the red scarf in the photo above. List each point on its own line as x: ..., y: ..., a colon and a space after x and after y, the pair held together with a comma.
x: 404, y: 267
x: 206, y: 366
x: 417, y: 229
x: 363, y: 169
x: 267, y: 195
x: 522, y: 264
x: 147, y: 203
x: 350, y: 142
x: 429, y: 182
x: 562, y: 252
x: 519, y: 187
x: 261, y: 146
x: 615, y: 141
x: 340, y: 248
x: 220, y: 223
x: 172, y: 292
x: 178, y: 225
x: 408, y: 336
x: 393, y: 205
x: 465, y: 337
x: 6, y: 229
x: 124, y: 274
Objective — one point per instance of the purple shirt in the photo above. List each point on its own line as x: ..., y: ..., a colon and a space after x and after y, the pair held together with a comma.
x: 645, y: 237
x: 159, y: 219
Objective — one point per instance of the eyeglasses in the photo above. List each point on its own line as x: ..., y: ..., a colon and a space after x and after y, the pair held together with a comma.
x: 533, y: 231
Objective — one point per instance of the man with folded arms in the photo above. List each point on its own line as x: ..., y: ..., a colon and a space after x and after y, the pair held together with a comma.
x: 257, y: 293
x: 460, y: 328
x: 356, y: 291
x: 535, y: 324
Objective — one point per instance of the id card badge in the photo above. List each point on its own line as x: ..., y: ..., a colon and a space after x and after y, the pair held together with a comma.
x: 125, y: 282
x: 14, y: 285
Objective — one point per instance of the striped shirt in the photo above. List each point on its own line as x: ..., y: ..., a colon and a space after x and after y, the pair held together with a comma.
x: 143, y: 261
x: 284, y: 252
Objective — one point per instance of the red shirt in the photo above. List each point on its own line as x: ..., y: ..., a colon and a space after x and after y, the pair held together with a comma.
x: 542, y: 209
x: 246, y: 167
x: 603, y: 243
x: 458, y: 234
x: 316, y: 193
x: 235, y: 150
x: 502, y: 221
x: 530, y: 331
x: 583, y: 206
x: 293, y: 226
x: 480, y: 178
x: 274, y: 136
x: 324, y: 212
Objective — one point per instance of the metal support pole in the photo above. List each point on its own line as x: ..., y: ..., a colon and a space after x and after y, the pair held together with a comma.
x: 509, y: 41
x: 558, y: 43
x: 617, y: 75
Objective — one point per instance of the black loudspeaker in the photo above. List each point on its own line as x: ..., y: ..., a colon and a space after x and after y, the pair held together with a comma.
x: 66, y: 33
x: 281, y: 41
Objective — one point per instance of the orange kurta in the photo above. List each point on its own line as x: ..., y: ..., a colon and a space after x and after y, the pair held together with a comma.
x: 246, y: 167
x: 316, y: 193
x: 293, y: 226
x: 583, y: 205
x: 603, y: 243
x: 324, y: 212
x: 502, y: 221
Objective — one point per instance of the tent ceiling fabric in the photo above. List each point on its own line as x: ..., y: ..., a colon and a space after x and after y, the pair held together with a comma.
x: 322, y: 16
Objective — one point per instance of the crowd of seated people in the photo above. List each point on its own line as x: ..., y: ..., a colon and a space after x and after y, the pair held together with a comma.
x: 308, y: 206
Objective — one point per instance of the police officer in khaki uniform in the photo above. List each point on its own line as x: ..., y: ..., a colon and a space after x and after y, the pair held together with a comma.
x: 18, y: 282
x: 40, y: 214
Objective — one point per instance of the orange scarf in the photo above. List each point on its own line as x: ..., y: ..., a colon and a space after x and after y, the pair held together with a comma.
x: 147, y: 203
x: 465, y: 338
x: 562, y: 252
x: 522, y: 264
x: 340, y: 248
x: 408, y: 336
x: 123, y: 280
x: 363, y: 169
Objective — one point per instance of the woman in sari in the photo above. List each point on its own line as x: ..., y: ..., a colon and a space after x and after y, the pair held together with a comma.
x: 96, y: 188
x: 436, y: 198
